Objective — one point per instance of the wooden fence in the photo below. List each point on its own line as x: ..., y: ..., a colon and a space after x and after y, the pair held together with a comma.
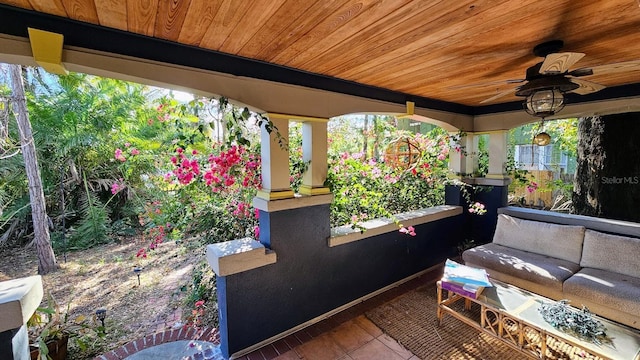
x: 543, y: 196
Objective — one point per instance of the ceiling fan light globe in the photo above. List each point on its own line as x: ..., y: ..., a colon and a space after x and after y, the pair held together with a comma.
x: 542, y: 139
x: 544, y: 103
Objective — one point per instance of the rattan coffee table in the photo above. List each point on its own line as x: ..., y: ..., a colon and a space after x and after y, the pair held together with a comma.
x: 511, y: 315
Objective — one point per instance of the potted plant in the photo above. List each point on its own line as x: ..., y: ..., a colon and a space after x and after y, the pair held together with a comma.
x: 461, y: 247
x: 50, y: 330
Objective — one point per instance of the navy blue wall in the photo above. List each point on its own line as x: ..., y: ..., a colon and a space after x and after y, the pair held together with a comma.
x: 311, y: 279
x: 493, y: 197
x: 479, y: 228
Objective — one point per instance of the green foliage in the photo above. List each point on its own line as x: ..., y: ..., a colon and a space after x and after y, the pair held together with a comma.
x: 76, y: 119
x: 203, y: 284
x: 93, y: 227
x: 564, y: 138
x: 367, y: 188
x: 483, y: 155
x: 297, y: 166
x: 51, y: 323
x: 203, y: 288
x: 114, y: 148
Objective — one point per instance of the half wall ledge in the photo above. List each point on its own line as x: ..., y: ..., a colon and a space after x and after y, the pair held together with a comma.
x: 345, y: 234
x: 236, y: 256
x: 297, y: 202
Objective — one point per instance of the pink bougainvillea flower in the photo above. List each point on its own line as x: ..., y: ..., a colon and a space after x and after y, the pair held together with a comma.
x: 142, y: 253
x: 477, y: 208
x: 135, y: 151
x: 256, y: 232
x: 199, y: 303
x: 115, y: 187
x: 118, y: 155
x: 409, y: 230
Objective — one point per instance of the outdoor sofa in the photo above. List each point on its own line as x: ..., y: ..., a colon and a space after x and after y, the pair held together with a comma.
x: 597, y: 269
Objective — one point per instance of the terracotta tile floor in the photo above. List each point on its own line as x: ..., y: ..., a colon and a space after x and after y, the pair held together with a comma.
x: 346, y: 335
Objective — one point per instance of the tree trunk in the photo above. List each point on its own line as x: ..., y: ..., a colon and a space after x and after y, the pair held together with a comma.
x: 365, y: 136
x: 46, y: 257
x: 607, y: 182
x: 376, y: 141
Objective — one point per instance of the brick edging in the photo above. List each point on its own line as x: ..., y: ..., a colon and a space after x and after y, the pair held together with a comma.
x: 209, y: 334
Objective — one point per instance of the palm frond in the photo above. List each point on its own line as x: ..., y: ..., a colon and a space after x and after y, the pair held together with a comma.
x: 93, y: 228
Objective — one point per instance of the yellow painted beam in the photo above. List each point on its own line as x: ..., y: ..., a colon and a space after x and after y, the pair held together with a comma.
x: 47, y: 50
x: 411, y: 106
x: 275, y: 195
x: 295, y: 117
x: 308, y: 190
x: 411, y: 110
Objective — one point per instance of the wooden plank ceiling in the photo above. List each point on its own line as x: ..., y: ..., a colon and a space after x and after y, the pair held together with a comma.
x: 457, y: 51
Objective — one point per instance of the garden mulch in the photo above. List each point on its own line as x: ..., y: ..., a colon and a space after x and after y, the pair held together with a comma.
x: 103, y: 277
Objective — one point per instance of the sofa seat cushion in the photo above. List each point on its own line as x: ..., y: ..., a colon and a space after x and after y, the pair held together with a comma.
x: 613, y: 290
x: 541, y: 269
x: 615, y: 253
x: 558, y: 241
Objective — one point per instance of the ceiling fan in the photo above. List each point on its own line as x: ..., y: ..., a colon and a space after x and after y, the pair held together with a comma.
x: 547, y: 81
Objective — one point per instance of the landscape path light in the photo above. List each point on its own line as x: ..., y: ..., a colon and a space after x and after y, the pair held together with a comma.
x: 101, y: 314
x: 137, y: 270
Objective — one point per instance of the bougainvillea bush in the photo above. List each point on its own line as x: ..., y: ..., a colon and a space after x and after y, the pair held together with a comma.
x: 208, y: 191
x: 203, y: 185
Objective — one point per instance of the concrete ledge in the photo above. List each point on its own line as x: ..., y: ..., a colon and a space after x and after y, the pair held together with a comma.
x: 495, y: 181
x: 19, y: 299
x: 345, y: 234
x: 235, y: 256
x: 299, y: 201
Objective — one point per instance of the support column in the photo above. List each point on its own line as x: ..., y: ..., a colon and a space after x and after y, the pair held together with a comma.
x: 464, y: 163
x: 498, y: 148
x: 314, y: 152
x: 19, y: 299
x: 274, y: 151
x: 496, y: 188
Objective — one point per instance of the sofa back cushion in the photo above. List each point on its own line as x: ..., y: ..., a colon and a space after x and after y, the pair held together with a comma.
x: 614, y: 253
x: 558, y: 241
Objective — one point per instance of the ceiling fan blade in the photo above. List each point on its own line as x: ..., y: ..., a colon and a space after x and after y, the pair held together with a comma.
x: 625, y: 66
x: 499, y: 95
x: 586, y: 87
x: 581, y: 72
x: 558, y: 63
